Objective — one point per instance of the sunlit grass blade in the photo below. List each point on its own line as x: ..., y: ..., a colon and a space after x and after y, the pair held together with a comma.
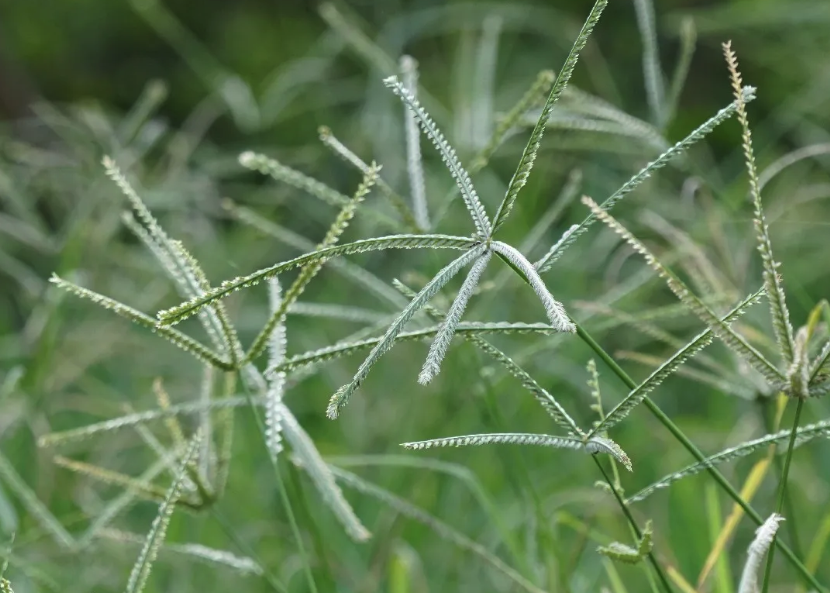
x: 310, y: 270
x: 702, y: 131
x: 439, y: 347
x: 772, y: 279
x: 804, y: 435
x: 638, y: 394
x: 341, y: 397
x: 38, y: 511
x: 593, y: 445
x: 347, y: 348
x: 534, y: 143
x: 440, y: 528
x: 158, y: 530
x: 320, y: 473
x: 720, y: 328
x: 764, y: 537
x: 459, y: 174
x: 173, y: 336
x: 394, y: 199
x: 652, y: 72
x: 555, y: 311
x: 414, y: 161
x: 187, y: 309
x: 194, y: 408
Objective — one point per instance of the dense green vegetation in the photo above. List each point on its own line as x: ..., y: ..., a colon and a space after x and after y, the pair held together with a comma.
x: 221, y: 116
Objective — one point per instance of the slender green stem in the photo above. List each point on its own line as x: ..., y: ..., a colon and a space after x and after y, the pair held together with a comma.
x: 779, y: 469
x: 696, y: 453
x: 782, y: 489
x: 286, y: 502
x: 227, y: 527
x: 627, y: 512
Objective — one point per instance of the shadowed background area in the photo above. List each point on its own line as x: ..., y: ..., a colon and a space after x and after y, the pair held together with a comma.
x: 175, y: 90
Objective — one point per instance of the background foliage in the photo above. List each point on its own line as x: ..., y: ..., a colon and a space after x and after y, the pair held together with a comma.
x: 176, y: 91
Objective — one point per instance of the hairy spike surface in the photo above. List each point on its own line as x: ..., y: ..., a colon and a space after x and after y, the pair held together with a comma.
x: 639, y: 393
x: 189, y: 308
x: 555, y: 311
x: 341, y: 397
x: 441, y: 343
x: 593, y: 445
x: 764, y: 537
x: 544, y: 264
x: 775, y: 290
x: 720, y: 328
x: 462, y: 178
x: 535, y: 142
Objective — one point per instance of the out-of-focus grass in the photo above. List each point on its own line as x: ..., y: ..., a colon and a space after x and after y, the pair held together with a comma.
x: 79, y: 365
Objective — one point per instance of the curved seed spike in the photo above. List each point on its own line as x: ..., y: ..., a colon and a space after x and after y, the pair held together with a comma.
x: 439, y: 347
x: 554, y: 309
x: 462, y: 178
x: 535, y: 142
x: 772, y: 279
x: 173, y: 336
x: 189, y: 308
x: 341, y: 397
x: 544, y: 264
x: 593, y: 445
x: 720, y: 328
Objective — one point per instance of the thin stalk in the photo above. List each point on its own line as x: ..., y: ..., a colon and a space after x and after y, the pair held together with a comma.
x: 295, y: 528
x: 638, y: 534
x: 788, y: 503
x: 696, y: 453
x: 782, y: 490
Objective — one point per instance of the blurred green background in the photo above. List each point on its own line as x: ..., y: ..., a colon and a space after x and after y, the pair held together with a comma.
x: 176, y: 90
